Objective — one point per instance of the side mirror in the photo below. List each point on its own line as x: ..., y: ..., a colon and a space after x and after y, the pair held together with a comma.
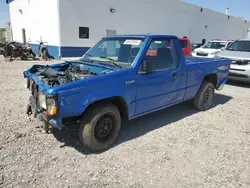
x: 223, y: 48
x: 146, y: 67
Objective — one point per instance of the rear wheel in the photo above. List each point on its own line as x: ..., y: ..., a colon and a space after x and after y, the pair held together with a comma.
x: 24, y: 57
x: 204, y: 98
x: 100, y: 127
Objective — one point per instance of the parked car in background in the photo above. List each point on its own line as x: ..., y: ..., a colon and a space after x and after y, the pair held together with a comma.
x: 186, y: 46
x: 228, y: 43
x: 239, y: 55
x: 196, y: 45
x: 210, y: 49
x: 122, y: 81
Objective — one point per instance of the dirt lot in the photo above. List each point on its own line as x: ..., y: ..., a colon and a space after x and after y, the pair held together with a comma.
x: 176, y: 147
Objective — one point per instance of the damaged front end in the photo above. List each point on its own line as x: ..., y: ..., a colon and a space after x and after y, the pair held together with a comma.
x: 66, y: 73
x: 43, y: 107
x: 41, y: 80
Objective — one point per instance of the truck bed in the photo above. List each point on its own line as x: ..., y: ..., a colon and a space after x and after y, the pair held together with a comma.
x: 194, y: 60
x: 197, y: 68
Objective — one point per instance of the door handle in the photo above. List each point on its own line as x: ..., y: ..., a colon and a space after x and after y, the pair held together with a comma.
x: 174, y: 73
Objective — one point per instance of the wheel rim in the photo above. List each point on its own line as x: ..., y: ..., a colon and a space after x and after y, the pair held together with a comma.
x: 105, y: 127
x: 208, y: 97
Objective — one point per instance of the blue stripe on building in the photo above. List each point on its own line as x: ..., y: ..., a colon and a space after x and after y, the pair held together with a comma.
x: 66, y: 51
x: 53, y: 50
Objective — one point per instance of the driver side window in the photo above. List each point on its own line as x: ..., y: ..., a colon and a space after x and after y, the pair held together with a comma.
x: 160, y: 54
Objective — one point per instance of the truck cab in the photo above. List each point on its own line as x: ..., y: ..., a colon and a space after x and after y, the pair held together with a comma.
x: 119, y: 79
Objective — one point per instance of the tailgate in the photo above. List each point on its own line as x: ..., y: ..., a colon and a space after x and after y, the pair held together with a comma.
x: 223, y: 66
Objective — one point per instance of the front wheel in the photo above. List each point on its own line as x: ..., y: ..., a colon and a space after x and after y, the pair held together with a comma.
x: 204, y: 98
x: 100, y: 127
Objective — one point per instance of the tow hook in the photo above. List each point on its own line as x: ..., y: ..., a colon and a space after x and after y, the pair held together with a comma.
x: 29, y: 110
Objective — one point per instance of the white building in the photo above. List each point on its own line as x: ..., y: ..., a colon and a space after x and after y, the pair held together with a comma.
x: 72, y: 26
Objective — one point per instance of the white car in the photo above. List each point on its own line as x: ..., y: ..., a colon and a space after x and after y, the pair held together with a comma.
x: 239, y: 55
x: 210, y: 49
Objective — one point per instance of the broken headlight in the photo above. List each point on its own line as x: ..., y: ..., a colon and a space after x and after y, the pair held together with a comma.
x: 42, y: 99
x: 27, y: 82
x: 31, y: 85
x: 51, y: 105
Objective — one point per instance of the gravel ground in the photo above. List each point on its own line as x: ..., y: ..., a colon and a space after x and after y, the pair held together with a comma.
x: 176, y: 147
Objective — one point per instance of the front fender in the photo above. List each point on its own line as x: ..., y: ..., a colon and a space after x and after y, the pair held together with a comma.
x: 75, y: 101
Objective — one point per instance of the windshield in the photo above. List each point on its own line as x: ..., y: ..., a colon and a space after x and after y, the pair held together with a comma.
x: 215, y: 45
x: 243, y: 46
x: 229, y: 43
x: 115, y: 51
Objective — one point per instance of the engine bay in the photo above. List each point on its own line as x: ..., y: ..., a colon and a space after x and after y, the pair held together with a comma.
x: 54, y: 76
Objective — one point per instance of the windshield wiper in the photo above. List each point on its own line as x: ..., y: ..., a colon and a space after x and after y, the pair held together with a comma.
x: 89, y: 55
x: 87, y: 60
x: 112, y: 60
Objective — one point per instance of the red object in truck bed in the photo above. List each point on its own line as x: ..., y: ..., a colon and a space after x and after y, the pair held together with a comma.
x: 185, y: 44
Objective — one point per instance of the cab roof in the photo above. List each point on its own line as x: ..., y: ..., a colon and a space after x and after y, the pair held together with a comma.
x: 143, y: 36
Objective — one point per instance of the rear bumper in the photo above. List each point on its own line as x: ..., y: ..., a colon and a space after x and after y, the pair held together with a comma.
x: 34, y: 110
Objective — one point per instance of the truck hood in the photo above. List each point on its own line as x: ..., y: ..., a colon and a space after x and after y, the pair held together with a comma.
x: 234, y: 55
x: 207, y: 50
x: 53, y: 77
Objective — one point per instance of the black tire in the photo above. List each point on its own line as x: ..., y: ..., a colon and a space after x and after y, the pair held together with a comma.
x: 93, y: 123
x: 24, y: 57
x: 44, y: 55
x: 204, y: 98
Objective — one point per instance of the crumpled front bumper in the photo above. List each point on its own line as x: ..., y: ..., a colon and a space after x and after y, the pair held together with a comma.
x: 35, y: 111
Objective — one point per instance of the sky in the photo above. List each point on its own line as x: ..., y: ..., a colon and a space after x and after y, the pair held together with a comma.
x: 236, y: 8
x: 4, y: 13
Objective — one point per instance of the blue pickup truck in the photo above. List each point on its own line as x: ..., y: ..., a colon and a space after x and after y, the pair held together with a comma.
x: 121, y: 77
